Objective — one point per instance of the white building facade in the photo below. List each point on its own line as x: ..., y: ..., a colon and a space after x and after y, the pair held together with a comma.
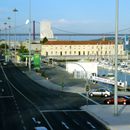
x: 95, y: 49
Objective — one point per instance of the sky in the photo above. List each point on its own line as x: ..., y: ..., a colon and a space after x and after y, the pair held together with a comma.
x: 79, y: 16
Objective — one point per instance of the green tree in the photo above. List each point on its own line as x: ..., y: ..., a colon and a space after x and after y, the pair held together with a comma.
x: 44, y: 40
x: 22, y: 50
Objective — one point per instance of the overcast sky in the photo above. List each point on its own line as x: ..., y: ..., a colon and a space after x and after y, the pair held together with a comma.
x: 84, y: 16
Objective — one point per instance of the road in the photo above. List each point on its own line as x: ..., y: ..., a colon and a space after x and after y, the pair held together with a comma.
x: 23, y: 99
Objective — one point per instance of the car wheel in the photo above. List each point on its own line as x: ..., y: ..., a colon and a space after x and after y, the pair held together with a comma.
x: 91, y: 95
x: 105, y: 95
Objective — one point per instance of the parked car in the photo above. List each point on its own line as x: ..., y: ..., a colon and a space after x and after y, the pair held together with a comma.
x: 121, y: 100
x: 100, y: 92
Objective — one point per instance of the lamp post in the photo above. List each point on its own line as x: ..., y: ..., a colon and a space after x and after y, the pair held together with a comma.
x: 0, y: 34
x: 116, y: 54
x: 86, y: 84
x: 15, y: 11
x: 29, y: 35
x: 5, y: 36
x: 9, y: 33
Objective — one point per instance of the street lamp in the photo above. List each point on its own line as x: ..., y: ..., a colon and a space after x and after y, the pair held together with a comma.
x: 29, y: 35
x: 5, y: 36
x: 87, y: 83
x: 116, y: 54
x: 15, y: 11
x: 9, y: 33
x: 0, y: 34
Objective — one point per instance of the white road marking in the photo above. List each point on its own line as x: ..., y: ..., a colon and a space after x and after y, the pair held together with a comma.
x: 6, y: 96
x: 76, y: 122
x: 16, y: 105
x: 1, y: 81
x: 66, y: 113
x: 64, y: 124
x: 89, y: 123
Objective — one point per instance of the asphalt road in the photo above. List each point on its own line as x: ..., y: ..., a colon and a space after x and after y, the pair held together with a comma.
x: 23, y: 99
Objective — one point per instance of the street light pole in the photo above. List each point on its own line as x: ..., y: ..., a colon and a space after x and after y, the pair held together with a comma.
x: 87, y: 83
x: 15, y: 11
x: 0, y: 34
x: 29, y: 35
x: 116, y: 55
x: 9, y: 33
x: 5, y: 36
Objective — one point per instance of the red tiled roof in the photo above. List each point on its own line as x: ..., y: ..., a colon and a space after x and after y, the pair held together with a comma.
x: 79, y: 42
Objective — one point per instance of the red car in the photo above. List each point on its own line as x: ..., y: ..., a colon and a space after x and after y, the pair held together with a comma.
x: 121, y: 100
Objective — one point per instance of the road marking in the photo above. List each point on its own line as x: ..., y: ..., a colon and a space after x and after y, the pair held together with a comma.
x: 46, y: 121
x: 24, y: 127
x: 6, y: 96
x: 66, y: 113
x: 89, y: 123
x: 16, y: 105
x: 76, y: 122
x: 1, y: 81
x: 61, y: 111
x: 26, y: 99
x: 22, y: 121
x: 64, y: 124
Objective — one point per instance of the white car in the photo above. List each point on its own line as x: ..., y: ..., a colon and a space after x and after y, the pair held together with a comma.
x: 100, y: 92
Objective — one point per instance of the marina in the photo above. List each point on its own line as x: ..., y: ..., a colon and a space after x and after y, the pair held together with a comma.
x: 123, y: 75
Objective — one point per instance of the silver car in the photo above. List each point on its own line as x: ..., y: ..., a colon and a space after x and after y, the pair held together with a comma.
x: 100, y: 92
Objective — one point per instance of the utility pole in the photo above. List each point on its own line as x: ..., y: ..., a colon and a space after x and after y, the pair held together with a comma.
x: 29, y: 35
x: 15, y: 11
x: 116, y: 55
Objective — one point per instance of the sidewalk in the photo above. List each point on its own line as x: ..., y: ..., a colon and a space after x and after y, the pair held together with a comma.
x: 103, y: 113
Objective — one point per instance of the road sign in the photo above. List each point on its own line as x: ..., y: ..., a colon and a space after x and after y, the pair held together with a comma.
x: 37, y: 61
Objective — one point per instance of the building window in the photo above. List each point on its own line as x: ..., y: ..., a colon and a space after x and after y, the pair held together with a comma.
x: 83, y: 52
x: 61, y: 53
x: 79, y: 53
x: 51, y: 52
x: 65, y: 52
x: 88, y: 53
x: 70, y: 47
x: 70, y: 52
x: 74, y: 52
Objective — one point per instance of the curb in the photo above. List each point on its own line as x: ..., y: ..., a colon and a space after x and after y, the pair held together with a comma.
x: 106, y: 124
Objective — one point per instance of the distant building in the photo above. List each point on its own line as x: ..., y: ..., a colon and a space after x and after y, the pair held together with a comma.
x: 45, y: 30
x: 81, y: 49
x: 35, y: 47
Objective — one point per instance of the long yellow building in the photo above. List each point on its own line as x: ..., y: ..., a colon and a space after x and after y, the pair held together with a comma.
x: 87, y: 49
